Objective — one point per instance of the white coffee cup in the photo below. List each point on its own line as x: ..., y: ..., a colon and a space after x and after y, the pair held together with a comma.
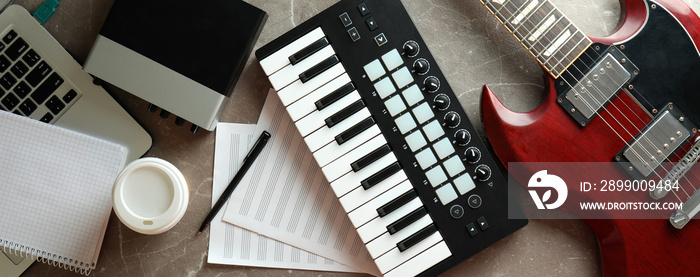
x: 150, y: 196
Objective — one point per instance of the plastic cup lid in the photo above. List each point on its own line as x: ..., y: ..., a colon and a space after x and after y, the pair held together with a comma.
x: 150, y: 196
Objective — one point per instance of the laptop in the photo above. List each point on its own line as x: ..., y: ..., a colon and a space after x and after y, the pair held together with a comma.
x: 39, y: 79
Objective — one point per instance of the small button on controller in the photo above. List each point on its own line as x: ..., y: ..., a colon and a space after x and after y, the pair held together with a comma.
x: 456, y: 211
x: 483, y: 225
x: 474, y: 201
x: 452, y: 119
x: 482, y: 172
x: 463, y: 137
x: 421, y: 66
x: 411, y: 48
x: 432, y: 84
x: 442, y: 101
x: 472, y: 230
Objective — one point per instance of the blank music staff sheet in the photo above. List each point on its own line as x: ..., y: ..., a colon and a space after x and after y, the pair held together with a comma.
x: 284, y: 196
x: 230, y: 244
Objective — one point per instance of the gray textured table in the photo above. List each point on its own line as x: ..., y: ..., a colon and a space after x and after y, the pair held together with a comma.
x: 470, y: 46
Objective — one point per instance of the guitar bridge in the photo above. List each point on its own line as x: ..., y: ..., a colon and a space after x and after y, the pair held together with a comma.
x: 588, y: 85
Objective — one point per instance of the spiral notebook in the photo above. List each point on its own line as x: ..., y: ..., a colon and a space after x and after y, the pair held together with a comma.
x: 55, y: 192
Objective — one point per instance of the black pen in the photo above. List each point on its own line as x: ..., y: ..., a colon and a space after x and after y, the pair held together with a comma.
x: 247, y: 162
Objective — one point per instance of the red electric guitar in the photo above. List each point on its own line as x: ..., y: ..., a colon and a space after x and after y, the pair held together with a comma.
x: 632, y: 98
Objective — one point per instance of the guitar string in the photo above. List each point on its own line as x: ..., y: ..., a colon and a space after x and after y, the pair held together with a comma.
x: 515, y: 31
x: 675, y: 154
x: 637, y: 154
x: 585, y: 102
x: 603, y: 107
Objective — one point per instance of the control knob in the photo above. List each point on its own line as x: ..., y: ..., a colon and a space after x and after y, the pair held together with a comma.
x: 421, y: 66
x: 473, y: 155
x: 463, y: 137
x: 442, y: 101
x: 452, y: 119
x: 411, y: 48
x: 432, y: 84
x: 483, y: 172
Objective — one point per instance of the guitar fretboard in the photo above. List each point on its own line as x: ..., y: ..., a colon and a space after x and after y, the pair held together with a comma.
x: 544, y: 31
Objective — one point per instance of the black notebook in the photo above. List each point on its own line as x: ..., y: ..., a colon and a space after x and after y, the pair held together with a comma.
x: 183, y: 56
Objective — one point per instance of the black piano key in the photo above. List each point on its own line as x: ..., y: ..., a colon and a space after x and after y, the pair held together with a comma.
x: 47, y: 88
x: 308, y: 51
x: 380, y: 176
x: 344, y: 113
x: 396, y: 203
x: 406, y: 220
x: 416, y: 238
x: 370, y: 158
x: 318, y: 69
x: 354, y: 130
x: 334, y: 96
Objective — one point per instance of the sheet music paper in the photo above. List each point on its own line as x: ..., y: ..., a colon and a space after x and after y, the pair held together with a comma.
x: 229, y: 244
x: 285, y: 196
x: 55, y: 192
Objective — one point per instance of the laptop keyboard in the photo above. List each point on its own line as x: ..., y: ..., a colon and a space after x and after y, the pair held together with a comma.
x: 29, y: 86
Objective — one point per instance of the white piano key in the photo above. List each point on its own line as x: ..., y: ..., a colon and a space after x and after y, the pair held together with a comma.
x: 350, y: 181
x: 386, y: 241
x: 280, y: 59
x: 316, y: 119
x: 333, y: 151
x: 341, y: 166
x: 422, y: 261
x: 368, y: 211
x: 360, y: 196
x: 306, y: 104
x: 377, y: 226
x: 290, y: 73
x: 325, y: 135
x: 297, y: 89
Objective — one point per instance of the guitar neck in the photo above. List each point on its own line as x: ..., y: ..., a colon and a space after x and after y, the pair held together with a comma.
x: 544, y: 31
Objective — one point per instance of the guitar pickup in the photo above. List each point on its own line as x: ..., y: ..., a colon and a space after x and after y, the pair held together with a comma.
x: 589, y: 84
x: 656, y: 142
